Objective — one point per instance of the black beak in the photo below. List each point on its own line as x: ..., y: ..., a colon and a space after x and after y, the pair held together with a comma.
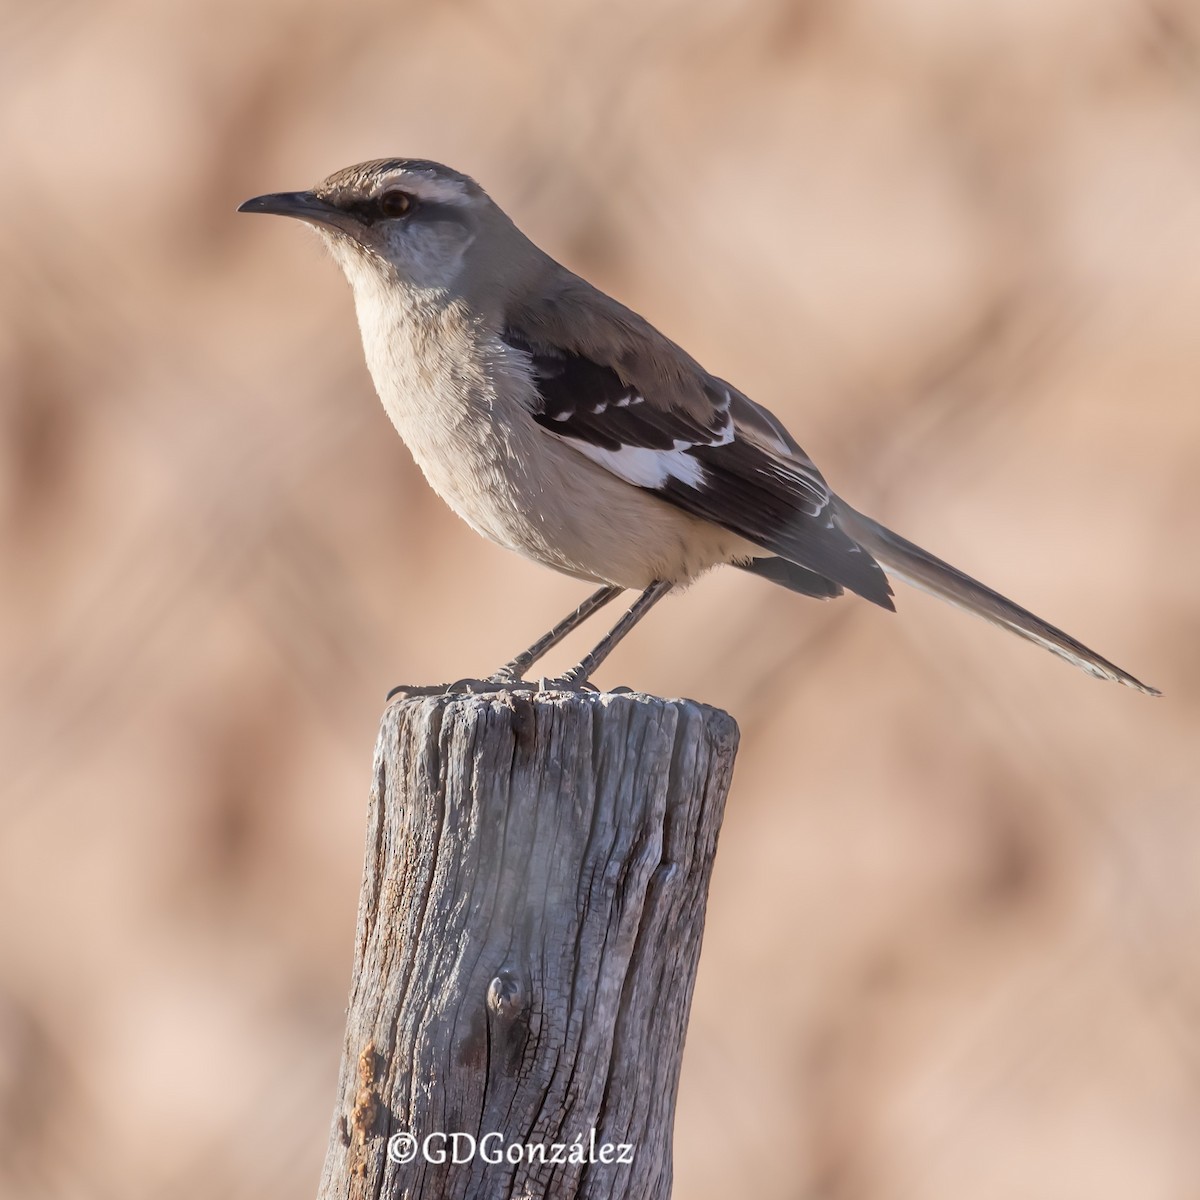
x: 304, y: 205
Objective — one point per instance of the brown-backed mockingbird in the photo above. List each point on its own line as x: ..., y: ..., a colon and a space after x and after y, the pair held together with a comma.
x: 560, y: 424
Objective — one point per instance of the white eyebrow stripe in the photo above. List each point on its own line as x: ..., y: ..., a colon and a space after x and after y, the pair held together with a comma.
x: 427, y: 187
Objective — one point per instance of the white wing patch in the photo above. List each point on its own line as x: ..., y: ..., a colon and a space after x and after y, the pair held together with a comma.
x: 646, y: 468
x: 650, y: 468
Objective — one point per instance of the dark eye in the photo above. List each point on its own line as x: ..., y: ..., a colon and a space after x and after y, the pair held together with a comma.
x: 396, y: 203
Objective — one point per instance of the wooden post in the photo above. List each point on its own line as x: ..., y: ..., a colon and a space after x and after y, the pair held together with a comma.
x: 532, y: 906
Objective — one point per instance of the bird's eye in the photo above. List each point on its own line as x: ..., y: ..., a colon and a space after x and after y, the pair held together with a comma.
x: 396, y: 203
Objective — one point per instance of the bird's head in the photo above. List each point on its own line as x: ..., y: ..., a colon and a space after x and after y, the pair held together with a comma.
x: 406, y: 220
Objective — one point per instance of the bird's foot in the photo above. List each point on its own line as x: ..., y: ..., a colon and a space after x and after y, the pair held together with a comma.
x: 490, y: 685
x: 509, y: 679
x: 459, y: 687
x: 509, y: 676
x: 573, y: 681
x: 415, y: 689
x: 503, y: 680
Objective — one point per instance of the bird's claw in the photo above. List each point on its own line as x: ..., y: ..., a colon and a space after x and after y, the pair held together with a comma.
x: 570, y: 682
x: 507, y: 677
x: 474, y: 687
x: 503, y: 680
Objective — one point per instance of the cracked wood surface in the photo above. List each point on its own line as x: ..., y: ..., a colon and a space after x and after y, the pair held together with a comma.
x: 528, y: 933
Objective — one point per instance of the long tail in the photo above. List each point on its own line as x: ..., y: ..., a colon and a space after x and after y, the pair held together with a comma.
x: 920, y: 569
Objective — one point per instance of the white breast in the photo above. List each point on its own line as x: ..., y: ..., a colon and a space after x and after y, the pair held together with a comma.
x: 438, y: 382
x: 462, y: 403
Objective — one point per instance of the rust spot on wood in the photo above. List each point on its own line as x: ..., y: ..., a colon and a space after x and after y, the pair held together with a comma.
x: 365, y: 1113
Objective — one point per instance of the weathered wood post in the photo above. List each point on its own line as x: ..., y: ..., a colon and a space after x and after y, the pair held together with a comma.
x: 532, y: 906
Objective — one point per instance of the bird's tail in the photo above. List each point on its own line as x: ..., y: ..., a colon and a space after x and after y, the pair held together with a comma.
x: 920, y: 569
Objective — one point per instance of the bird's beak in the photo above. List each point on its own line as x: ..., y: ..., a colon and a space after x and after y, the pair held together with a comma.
x: 304, y: 205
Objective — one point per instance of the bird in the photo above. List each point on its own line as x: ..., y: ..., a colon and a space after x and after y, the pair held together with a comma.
x: 561, y: 424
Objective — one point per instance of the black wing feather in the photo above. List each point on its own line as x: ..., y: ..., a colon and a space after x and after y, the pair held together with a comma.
x: 794, y: 578
x: 592, y: 403
x: 747, y: 493
x: 782, y: 506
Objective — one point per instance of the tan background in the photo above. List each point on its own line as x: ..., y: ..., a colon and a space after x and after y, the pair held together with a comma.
x: 952, y: 942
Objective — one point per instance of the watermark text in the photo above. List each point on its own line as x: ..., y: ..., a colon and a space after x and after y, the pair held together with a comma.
x: 438, y: 1148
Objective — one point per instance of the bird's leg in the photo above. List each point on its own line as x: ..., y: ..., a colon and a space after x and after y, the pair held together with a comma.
x: 578, y: 676
x: 514, y: 671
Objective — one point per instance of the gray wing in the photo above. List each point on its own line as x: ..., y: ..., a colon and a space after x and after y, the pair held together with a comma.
x: 717, y: 456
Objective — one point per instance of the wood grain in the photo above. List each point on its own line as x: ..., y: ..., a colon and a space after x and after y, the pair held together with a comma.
x: 528, y: 933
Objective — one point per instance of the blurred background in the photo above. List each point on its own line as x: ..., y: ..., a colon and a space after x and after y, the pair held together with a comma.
x: 951, y: 944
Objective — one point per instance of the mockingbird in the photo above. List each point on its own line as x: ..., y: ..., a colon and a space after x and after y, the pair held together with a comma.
x: 562, y: 425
